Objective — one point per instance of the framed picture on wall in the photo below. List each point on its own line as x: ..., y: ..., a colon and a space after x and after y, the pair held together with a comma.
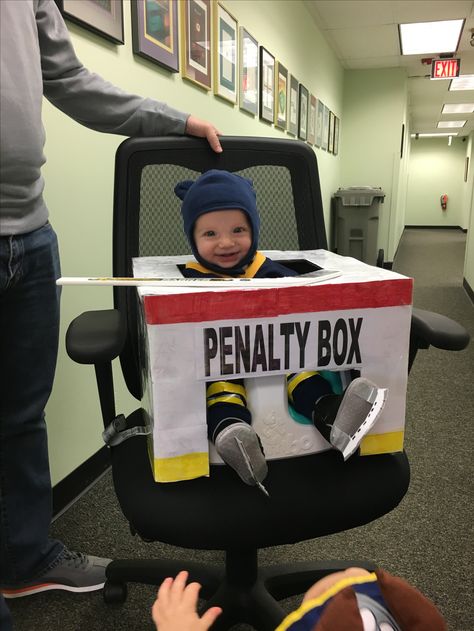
x: 281, y: 109
x: 267, y: 85
x: 303, y: 113
x: 103, y: 17
x: 319, y: 123
x: 155, y: 31
x: 248, y: 93
x: 336, y: 136
x: 225, y: 54
x: 195, y: 41
x: 466, y: 169
x: 312, y: 119
x: 331, y: 132
x: 293, y: 106
x: 325, y: 130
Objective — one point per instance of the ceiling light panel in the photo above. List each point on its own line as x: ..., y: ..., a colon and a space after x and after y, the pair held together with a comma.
x: 458, y: 108
x: 451, y: 124
x: 423, y: 38
x: 464, y: 82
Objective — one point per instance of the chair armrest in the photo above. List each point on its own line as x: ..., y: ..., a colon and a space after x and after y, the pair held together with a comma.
x: 438, y: 331
x: 96, y: 337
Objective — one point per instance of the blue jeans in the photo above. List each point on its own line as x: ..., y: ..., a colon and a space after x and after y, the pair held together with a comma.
x: 5, y: 617
x: 29, y: 331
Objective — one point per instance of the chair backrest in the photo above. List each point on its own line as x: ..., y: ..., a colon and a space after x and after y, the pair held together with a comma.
x: 147, y: 219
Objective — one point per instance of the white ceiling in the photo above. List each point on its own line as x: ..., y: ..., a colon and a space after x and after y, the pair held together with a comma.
x: 364, y: 34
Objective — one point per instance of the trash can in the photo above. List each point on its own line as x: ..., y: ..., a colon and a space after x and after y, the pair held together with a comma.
x: 356, y: 222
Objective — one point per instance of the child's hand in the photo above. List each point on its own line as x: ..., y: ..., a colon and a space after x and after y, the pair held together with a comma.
x: 175, y: 607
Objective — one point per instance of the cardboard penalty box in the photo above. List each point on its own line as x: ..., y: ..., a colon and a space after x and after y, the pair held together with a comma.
x: 346, y: 317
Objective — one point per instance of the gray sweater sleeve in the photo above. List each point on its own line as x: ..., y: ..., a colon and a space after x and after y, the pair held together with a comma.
x: 89, y: 99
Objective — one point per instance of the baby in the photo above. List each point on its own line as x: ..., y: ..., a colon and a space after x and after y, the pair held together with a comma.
x: 222, y: 224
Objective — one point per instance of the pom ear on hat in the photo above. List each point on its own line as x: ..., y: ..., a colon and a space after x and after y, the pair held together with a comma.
x: 182, y: 188
x: 410, y: 608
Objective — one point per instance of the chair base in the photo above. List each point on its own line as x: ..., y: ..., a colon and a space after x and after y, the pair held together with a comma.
x: 245, y: 592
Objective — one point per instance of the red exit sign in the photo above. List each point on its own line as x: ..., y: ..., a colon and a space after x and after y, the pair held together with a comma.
x: 445, y: 68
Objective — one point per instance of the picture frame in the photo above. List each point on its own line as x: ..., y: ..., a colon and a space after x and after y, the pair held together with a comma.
x: 331, y: 132
x: 336, y: 136
x: 196, y: 42
x: 155, y: 32
x: 402, y: 140
x: 312, y: 119
x: 226, y: 42
x: 293, y: 106
x: 319, y: 123
x: 303, y: 112
x: 248, y: 65
x: 102, y: 17
x: 281, y: 101
x: 267, y: 85
x: 466, y: 169
x: 325, y: 129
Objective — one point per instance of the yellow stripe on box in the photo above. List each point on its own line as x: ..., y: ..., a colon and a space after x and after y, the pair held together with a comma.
x: 382, y: 443
x: 179, y: 468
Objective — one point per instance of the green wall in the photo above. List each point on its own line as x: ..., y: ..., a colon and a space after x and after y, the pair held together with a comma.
x: 79, y: 176
x: 374, y: 110
x: 435, y: 169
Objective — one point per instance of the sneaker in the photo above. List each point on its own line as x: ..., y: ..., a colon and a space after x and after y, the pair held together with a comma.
x: 239, y: 446
x: 75, y: 572
x: 358, y: 412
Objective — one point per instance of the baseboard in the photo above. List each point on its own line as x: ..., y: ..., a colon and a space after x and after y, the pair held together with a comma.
x: 417, y: 227
x: 469, y: 290
x: 70, y: 489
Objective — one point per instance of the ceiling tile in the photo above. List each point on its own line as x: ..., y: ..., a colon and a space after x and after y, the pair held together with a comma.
x: 346, y: 13
x: 366, y: 41
x: 428, y: 10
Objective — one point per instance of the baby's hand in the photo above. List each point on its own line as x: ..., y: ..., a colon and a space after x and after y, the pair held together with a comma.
x: 175, y: 607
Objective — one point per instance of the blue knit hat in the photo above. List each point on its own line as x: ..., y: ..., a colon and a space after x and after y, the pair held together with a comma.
x: 218, y: 190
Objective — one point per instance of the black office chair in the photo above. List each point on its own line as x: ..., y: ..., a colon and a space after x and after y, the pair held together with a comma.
x: 310, y: 496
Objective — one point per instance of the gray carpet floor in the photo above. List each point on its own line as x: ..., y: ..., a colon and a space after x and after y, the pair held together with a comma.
x: 427, y: 539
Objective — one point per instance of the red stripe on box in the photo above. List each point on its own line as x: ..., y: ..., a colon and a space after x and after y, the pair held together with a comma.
x: 267, y: 303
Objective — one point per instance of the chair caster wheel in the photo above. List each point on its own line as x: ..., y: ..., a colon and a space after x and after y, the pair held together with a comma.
x: 114, y: 593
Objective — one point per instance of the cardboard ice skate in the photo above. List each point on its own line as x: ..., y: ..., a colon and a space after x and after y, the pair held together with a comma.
x: 355, y: 319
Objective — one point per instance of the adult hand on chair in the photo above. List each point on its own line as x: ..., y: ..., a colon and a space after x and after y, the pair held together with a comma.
x: 203, y: 129
x: 175, y: 607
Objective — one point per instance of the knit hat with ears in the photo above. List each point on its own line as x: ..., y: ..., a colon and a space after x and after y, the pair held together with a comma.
x: 219, y: 190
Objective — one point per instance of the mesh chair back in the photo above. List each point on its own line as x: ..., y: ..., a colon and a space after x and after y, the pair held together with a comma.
x: 147, y: 218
